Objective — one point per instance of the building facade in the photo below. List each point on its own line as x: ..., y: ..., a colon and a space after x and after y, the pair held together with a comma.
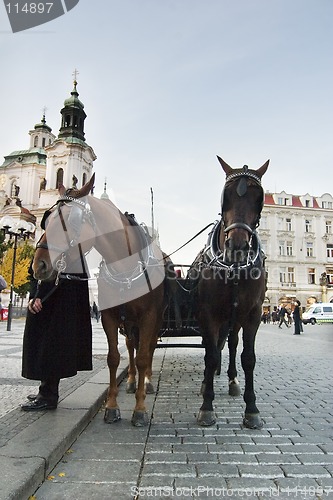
x: 297, y: 237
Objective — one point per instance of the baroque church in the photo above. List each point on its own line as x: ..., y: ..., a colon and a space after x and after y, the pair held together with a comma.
x: 29, y: 178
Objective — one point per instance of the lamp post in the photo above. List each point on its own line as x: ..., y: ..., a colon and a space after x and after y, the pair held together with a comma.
x: 15, y: 229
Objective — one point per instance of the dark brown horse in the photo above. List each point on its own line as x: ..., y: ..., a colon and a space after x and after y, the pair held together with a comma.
x: 231, y: 288
x: 131, y: 283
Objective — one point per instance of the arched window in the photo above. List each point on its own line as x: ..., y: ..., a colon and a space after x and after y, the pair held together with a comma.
x: 84, y: 179
x: 13, y: 188
x: 67, y: 122
x: 36, y: 141
x: 43, y: 142
x: 60, y: 178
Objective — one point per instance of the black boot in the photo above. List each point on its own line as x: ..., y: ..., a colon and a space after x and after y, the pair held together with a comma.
x: 47, y: 397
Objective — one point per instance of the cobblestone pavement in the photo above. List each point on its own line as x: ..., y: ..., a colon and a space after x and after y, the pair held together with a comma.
x: 14, y: 388
x: 291, y: 457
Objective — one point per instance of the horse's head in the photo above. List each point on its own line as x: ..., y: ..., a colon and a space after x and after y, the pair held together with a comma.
x: 242, y: 202
x: 69, y: 233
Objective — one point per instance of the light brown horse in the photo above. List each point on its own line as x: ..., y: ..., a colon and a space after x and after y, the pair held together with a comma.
x: 131, y: 283
x: 231, y: 288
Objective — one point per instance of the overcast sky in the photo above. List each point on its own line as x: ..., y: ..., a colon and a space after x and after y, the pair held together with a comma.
x: 168, y: 85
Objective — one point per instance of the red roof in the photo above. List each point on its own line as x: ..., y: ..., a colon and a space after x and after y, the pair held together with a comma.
x: 296, y: 202
x: 269, y: 200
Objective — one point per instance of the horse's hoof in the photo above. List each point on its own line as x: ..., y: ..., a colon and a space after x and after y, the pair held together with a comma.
x: 149, y: 388
x: 140, y: 419
x: 206, y: 418
x: 130, y: 387
x: 111, y: 415
x: 234, y: 389
x: 252, y: 421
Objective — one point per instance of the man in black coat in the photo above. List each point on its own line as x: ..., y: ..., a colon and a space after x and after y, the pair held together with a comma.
x: 57, y: 341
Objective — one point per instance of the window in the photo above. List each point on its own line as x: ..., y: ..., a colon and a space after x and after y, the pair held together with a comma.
x: 309, y: 249
x: 283, y: 275
x: 328, y: 227
x: 326, y: 204
x: 291, y: 275
x: 329, y: 275
x: 288, y: 225
x: 281, y: 248
x: 311, y: 276
x: 36, y: 141
x: 307, y: 203
x: 329, y: 251
x: 43, y: 142
x: 60, y: 178
x: 13, y: 188
x: 289, y: 248
x: 282, y: 201
x: 67, y: 121
x: 308, y: 226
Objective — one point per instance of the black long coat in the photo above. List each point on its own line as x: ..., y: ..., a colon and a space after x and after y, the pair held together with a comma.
x: 57, y: 341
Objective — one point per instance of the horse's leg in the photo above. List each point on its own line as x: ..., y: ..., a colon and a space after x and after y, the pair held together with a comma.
x: 252, y: 418
x: 131, y: 383
x: 206, y: 415
x: 149, y: 388
x: 234, y: 389
x: 112, y: 412
x: 140, y: 416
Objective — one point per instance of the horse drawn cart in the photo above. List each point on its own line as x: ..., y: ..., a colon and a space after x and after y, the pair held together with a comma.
x: 179, y: 319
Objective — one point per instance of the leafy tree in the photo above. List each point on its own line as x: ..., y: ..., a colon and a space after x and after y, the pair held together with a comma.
x: 24, y: 254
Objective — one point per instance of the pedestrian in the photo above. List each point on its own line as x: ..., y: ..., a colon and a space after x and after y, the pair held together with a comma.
x: 95, y: 311
x: 282, y: 317
x: 297, y: 318
x: 57, y: 340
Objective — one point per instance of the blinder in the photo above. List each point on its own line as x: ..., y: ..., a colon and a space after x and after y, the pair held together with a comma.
x: 46, y: 215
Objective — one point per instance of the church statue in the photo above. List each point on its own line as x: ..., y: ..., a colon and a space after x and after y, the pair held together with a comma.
x: 42, y: 185
x: 74, y: 181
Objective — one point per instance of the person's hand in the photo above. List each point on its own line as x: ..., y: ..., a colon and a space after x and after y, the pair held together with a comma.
x: 35, y: 306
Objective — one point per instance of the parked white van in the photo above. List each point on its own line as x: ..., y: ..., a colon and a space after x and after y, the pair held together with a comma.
x: 320, y: 312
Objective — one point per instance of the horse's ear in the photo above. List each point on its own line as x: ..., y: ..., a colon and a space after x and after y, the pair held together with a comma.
x: 260, y: 171
x: 61, y: 189
x: 228, y: 170
x: 85, y: 190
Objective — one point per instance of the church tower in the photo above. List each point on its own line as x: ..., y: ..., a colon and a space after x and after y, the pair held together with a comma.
x: 69, y: 157
x: 23, y: 172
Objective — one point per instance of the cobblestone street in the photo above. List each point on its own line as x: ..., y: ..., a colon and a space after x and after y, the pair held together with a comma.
x: 291, y: 457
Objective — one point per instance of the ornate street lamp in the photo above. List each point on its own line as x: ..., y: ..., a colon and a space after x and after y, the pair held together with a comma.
x: 16, y: 229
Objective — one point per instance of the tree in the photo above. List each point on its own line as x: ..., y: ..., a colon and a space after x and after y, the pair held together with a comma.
x: 24, y: 254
